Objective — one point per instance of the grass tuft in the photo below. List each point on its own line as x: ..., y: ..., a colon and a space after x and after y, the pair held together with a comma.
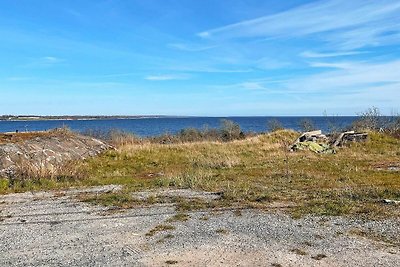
x: 160, y: 228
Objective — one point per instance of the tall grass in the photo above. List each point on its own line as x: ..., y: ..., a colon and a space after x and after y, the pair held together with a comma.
x: 228, y: 131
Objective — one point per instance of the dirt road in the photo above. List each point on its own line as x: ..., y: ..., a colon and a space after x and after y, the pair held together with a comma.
x: 55, y: 229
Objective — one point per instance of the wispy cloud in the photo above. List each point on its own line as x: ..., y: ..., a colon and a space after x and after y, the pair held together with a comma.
x: 269, y: 63
x: 204, y: 68
x: 368, y: 22
x: 51, y: 60
x: 191, y: 47
x: 335, y: 65
x: 349, y: 76
x: 166, y: 77
x: 252, y: 86
x: 311, y: 54
x: 249, y: 85
x: 47, y: 61
x: 345, y: 78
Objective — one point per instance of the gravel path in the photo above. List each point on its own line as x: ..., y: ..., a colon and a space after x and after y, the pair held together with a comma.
x: 53, y: 229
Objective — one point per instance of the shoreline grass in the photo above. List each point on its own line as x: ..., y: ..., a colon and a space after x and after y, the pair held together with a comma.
x: 255, y: 171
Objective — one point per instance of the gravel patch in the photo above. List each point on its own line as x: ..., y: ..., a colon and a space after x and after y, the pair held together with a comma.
x: 58, y: 230
x: 173, y: 193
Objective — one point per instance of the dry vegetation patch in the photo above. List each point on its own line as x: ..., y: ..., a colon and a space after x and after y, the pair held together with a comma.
x: 17, y: 137
x: 257, y: 171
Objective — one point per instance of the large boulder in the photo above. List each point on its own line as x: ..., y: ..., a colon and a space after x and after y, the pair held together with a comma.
x: 46, y: 149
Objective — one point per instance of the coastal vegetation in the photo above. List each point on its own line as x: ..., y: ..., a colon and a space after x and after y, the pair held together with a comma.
x: 246, y: 170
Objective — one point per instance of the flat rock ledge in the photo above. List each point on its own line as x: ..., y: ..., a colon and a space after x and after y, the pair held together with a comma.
x: 49, y: 149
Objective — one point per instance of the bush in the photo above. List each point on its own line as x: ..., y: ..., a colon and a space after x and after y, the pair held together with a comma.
x: 274, y: 125
x: 4, y: 184
x: 306, y: 125
x: 230, y: 130
x: 373, y: 120
x: 190, y: 135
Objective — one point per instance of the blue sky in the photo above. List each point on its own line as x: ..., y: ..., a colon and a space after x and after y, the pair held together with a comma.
x: 199, y: 57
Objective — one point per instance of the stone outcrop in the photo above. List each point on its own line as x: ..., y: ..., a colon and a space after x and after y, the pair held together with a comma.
x: 46, y: 149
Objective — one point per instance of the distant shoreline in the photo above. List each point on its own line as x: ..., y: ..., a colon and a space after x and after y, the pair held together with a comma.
x: 81, y: 118
x: 92, y: 118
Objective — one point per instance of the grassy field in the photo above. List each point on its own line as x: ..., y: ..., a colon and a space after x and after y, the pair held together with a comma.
x: 251, y: 172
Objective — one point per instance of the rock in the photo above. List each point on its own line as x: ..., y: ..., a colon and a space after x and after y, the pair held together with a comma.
x: 48, y: 150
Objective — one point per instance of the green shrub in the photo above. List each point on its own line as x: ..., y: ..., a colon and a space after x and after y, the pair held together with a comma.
x: 230, y: 130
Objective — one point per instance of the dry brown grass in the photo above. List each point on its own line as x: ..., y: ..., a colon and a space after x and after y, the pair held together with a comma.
x: 23, y: 136
x: 259, y: 170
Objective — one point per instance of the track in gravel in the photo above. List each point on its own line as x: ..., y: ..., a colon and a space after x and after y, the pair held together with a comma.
x: 45, y: 230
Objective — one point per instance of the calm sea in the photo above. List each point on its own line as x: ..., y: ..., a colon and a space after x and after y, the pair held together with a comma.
x: 157, y: 126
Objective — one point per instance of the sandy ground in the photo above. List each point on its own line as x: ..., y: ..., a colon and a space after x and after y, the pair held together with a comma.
x: 55, y: 229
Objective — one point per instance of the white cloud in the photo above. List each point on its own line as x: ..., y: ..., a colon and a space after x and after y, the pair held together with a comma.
x: 165, y: 77
x: 311, y: 54
x: 199, y: 67
x: 191, y: 47
x: 336, y: 65
x: 269, y: 63
x: 348, y: 77
x: 252, y: 86
x: 51, y: 60
x: 349, y: 24
x: 44, y: 62
x: 351, y: 82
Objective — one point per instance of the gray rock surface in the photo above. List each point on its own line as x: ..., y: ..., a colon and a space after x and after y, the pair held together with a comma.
x: 48, y: 151
x: 53, y: 229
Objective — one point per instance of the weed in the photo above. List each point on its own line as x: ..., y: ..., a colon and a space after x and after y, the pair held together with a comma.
x: 308, y: 243
x: 120, y: 199
x: 160, y: 228
x: 222, y: 231
x: 204, y: 218
x: 319, y: 257
x: 372, y: 236
x: 180, y: 217
x: 168, y: 236
x: 298, y: 251
x: 194, y: 204
x: 237, y: 213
